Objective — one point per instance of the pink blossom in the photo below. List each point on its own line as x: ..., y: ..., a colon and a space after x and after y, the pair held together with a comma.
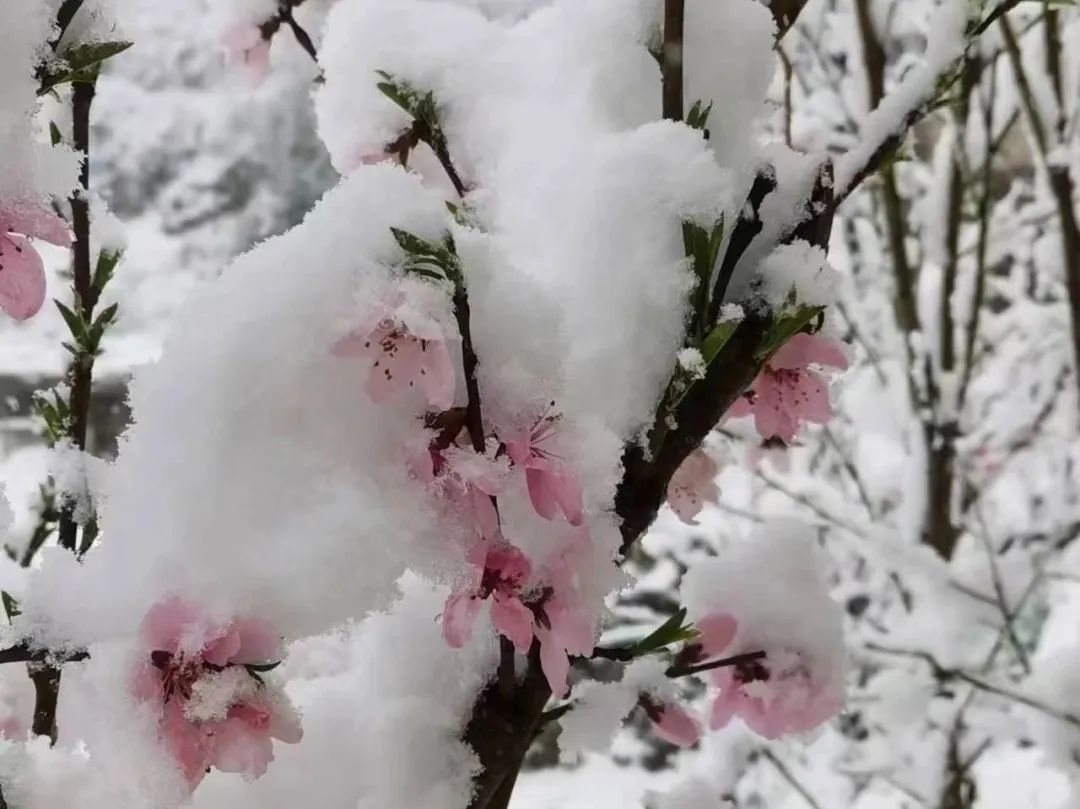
x: 466, y: 480
x: 563, y: 630
x: 22, y: 273
x: 553, y: 486
x: 787, y: 393
x: 500, y: 572
x: 692, y: 485
x: 715, y: 633
x: 774, y: 696
x: 245, y: 45
x: 671, y: 723
x: 562, y: 626
x: 185, y: 649
x: 407, y: 348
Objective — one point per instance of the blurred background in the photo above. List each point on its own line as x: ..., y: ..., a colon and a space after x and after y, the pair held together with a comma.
x: 944, y: 490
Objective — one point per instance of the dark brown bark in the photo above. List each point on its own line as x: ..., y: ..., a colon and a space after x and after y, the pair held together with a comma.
x: 86, y: 296
x: 672, y: 59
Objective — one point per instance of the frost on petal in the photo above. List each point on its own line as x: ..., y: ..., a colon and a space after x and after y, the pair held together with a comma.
x: 458, y: 618
x: 22, y: 277
x: 513, y: 620
x: 676, y: 726
x: 692, y: 485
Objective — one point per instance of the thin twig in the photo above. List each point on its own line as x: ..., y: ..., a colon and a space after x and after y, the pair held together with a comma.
x: 698, y: 668
x: 788, y: 776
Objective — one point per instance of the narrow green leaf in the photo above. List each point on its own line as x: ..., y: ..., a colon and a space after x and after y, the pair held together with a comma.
x: 785, y: 326
x: 81, y: 63
x: 74, y: 322
x: 106, y: 266
x: 717, y: 339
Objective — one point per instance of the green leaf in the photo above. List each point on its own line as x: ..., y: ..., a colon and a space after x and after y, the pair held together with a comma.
x: 698, y: 117
x: 11, y: 606
x: 718, y: 338
x: 75, y: 323
x: 414, y: 245
x: 81, y: 64
x: 106, y: 266
x: 97, y: 330
x: 55, y: 136
x: 673, y: 630
x: 785, y: 326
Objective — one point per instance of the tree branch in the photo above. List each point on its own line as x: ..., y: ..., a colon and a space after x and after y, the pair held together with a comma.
x: 672, y: 63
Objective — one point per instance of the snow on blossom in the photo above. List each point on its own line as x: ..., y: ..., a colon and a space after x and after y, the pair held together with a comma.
x: 406, y: 342
x: 768, y: 593
x: 216, y: 710
x: 245, y: 45
x: 562, y: 625
x: 553, y: 485
x: 251, y: 441
x: 499, y: 574
x: 787, y: 393
x: 692, y: 486
x: 774, y: 696
x: 22, y: 272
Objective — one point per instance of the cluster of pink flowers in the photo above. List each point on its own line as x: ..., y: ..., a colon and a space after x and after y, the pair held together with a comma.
x: 22, y: 273
x: 787, y: 393
x: 406, y: 344
x: 774, y: 694
x: 205, y: 679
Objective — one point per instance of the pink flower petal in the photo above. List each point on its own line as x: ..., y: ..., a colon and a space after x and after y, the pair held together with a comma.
x: 677, y: 727
x: 438, y: 375
x: 242, y: 742
x: 258, y: 642
x: 458, y: 618
x: 692, y: 485
x: 221, y: 650
x: 815, y: 405
x: 36, y: 221
x: 554, y: 663
x: 167, y: 622
x: 723, y: 710
x: 741, y: 408
x: 717, y: 632
x: 22, y: 277
x: 570, y: 627
x: 513, y: 620
x: 189, y: 745
x: 540, y: 494
x: 806, y: 349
